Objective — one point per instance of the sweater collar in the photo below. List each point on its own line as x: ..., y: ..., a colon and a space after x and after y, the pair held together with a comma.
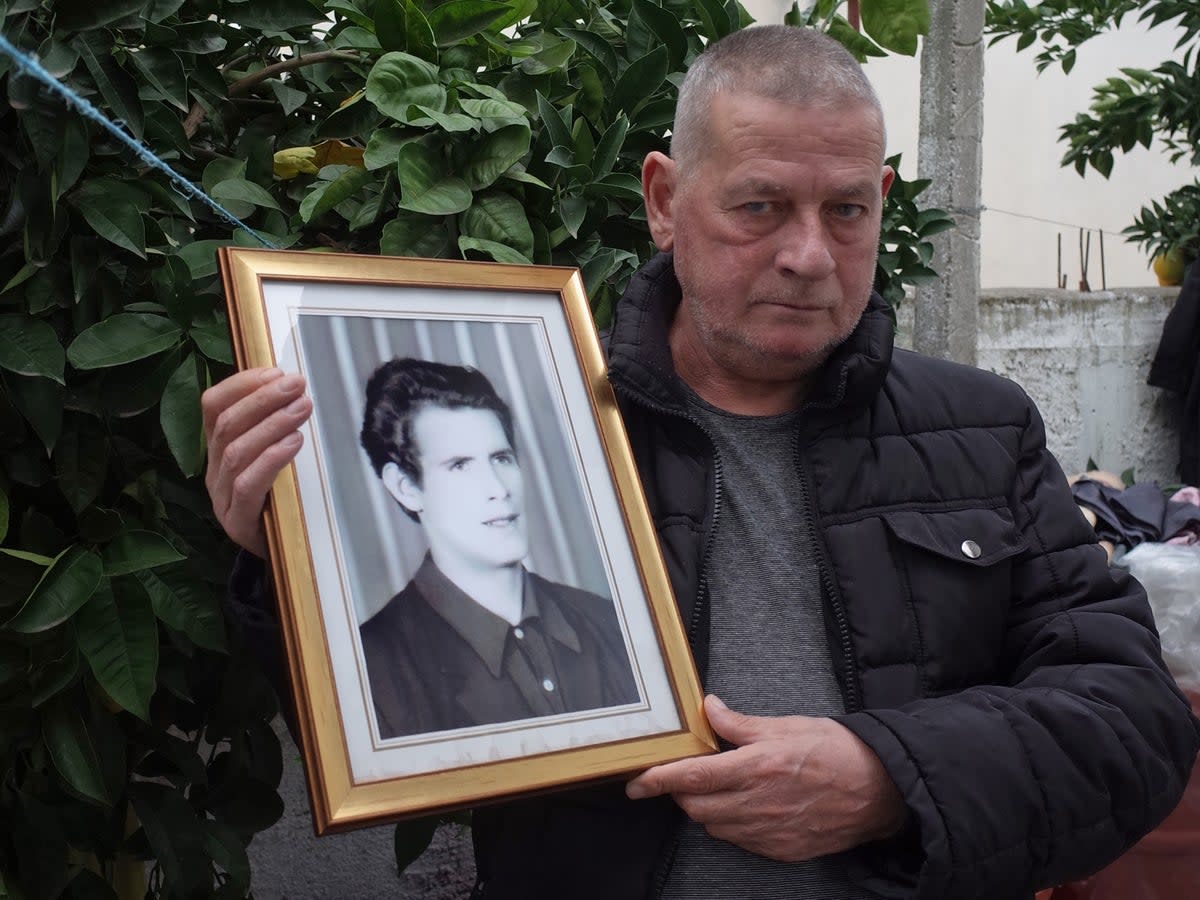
x: 640, y: 354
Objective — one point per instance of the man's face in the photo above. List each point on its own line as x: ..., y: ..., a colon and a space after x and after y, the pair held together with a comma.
x: 471, y: 496
x: 775, y: 232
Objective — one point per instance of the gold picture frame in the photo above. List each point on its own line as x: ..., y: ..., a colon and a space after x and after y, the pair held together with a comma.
x: 340, y: 544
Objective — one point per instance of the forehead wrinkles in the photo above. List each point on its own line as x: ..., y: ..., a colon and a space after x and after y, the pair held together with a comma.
x: 746, y: 127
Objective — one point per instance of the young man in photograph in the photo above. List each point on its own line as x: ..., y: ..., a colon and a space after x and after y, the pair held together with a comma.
x: 474, y: 638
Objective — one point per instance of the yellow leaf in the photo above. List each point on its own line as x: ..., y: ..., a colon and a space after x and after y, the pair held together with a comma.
x: 291, y: 162
x: 335, y: 153
x: 353, y: 98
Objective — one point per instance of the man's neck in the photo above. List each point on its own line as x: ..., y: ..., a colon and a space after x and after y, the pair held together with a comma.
x: 757, y: 393
x: 498, y: 590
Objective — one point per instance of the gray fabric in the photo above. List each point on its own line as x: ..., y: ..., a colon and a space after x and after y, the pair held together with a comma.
x: 768, y: 654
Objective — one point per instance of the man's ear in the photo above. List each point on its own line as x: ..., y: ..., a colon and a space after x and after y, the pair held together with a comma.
x: 659, y: 176
x: 403, y: 488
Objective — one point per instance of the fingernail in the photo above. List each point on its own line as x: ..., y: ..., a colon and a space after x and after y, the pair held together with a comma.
x: 270, y: 375
x: 292, y: 440
x: 289, y: 383
x: 297, y: 406
x: 635, y: 791
x: 717, y: 701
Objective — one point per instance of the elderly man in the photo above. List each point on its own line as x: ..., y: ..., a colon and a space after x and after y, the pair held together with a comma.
x: 930, y: 683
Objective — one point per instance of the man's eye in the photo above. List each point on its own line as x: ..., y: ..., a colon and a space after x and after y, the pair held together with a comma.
x: 458, y: 465
x: 509, y: 459
x: 757, y: 207
x: 849, y: 210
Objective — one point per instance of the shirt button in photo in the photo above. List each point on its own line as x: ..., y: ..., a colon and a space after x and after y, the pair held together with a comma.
x: 548, y: 684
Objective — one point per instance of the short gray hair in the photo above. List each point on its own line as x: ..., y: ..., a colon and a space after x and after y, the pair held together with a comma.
x: 784, y: 63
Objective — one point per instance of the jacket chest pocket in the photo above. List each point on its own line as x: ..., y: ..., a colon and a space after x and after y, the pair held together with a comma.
x: 955, y: 567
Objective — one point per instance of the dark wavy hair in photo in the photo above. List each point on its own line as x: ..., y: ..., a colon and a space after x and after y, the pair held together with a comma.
x: 401, y: 388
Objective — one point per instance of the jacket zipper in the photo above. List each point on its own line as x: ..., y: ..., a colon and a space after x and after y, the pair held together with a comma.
x: 663, y: 870
x: 821, y: 554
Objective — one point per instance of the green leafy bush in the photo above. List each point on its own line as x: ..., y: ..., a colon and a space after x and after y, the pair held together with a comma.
x: 130, y: 722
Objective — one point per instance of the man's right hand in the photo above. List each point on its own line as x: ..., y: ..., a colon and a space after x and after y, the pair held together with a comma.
x: 250, y: 423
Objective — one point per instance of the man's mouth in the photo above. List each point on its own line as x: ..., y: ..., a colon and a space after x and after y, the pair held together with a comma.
x: 502, y: 521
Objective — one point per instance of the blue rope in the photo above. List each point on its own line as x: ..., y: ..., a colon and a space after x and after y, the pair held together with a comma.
x: 32, y: 67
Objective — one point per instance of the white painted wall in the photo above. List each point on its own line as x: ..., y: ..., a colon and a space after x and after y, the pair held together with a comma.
x: 1021, y: 175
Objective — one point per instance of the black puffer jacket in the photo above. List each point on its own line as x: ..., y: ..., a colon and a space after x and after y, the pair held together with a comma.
x: 1013, y: 687
x: 1015, y: 693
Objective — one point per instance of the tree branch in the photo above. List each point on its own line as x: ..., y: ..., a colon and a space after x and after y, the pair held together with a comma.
x: 196, y: 115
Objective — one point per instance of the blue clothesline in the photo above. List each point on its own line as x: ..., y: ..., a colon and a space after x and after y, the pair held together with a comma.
x: 30, y: 66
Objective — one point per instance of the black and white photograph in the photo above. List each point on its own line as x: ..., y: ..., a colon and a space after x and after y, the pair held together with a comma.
x: 471, y: 582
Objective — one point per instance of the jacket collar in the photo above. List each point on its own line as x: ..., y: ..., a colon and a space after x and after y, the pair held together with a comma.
x: 640, y: 355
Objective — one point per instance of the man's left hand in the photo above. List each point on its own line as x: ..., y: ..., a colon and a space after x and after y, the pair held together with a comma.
x: 794, y: 788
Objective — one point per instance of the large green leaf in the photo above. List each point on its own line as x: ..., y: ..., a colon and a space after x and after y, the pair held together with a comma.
x: 597, y: 45
x: 116, y: 86
x: 400, y: 80
x: 460, y: 19
x: 553, y: 58
x: 228, y: 851
x: 639, y: 82
x: 29, y: 346
x: 180, y: 417
x: 118, y: 634
x: 241, y: 190
x: 72, y: 156
x: 177, y: 837
x: 274, y: 15
x: 896, y: 24
x: 401, y: 25
x: 211, y: 336
x: 64, y: 587
x: 185, y: 603
x: 81, y: 16
x: 666, y: 28
x: 40, y: 401
x: 500, y: 218
x: 74, y: 750
x: 495, y: 154
x: 609, y: 147
x: 424, y: 186
x: 3, y: 514
x: 135, y: 550
x: 410, y: 235
x: 328, y: 194
x: 493, y: 249
x: 163, y: 69
x: 121, y: 339
x: 114, y: 211
x: 81, y: 461
x: 383, y: 146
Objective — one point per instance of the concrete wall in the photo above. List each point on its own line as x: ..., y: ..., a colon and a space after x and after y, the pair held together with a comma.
x: 1084, y: 358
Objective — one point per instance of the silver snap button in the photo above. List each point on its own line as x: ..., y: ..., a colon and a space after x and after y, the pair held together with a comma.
x: 548, y: 685
x: 518, y: 632
x: 971, y: 550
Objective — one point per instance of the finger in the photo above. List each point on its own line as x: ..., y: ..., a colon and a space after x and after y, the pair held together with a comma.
x: 251, y: 409
x: 735, y: 727
x: 700, y: 775
x: 719, y: 808
x: 245, y: 450
x: 229, y: 391
x: 248, y: 493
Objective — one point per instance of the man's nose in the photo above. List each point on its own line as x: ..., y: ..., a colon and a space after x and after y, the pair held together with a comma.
x: 804, y: 248
x: 496, y: 484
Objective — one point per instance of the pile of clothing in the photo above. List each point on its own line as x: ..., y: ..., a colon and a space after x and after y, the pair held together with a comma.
x: 1127, y: 516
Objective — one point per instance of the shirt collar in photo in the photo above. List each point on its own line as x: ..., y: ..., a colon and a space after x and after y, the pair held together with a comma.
x: 485, y: 632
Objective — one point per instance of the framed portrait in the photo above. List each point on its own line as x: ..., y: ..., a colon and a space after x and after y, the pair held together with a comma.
x: 471, y: 593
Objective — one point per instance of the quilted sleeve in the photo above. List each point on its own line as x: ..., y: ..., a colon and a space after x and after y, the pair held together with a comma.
x: 1085, y: 747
